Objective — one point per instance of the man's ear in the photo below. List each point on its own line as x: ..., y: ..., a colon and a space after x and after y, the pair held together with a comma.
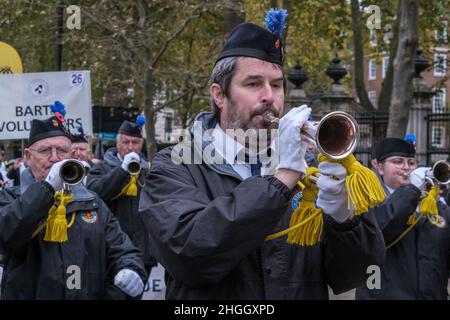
x: 380, y: 168
x: 216, y: 93
x: 27, y: 154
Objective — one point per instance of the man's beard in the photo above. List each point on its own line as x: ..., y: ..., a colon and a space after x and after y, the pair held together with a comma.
x: 236, y: 121
x: 262, y: 132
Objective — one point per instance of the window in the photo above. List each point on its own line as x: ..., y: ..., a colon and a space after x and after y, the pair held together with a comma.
x: 439, y: 105
x: 440, y: 64
x: 373, y: 97
x: 440, y: 35
x: 388, y: 35
x: 372, y: 69
x: 384, y: 67
x: 438, y: 137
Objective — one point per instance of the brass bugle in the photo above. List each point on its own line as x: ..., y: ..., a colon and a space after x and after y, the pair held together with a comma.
x: 134, y: 168
x: 72, y: 172
x: 336, y: 135
x: 438, y: 174
x: 441, y: 172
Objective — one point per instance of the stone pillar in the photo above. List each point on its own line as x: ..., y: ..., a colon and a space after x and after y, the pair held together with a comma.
x: 336, y: 99
x: 422, y: 107
x: 417, y: 123
x: 296, y: 95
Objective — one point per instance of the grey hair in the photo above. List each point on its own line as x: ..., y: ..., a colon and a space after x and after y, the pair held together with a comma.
x: 222, y: 74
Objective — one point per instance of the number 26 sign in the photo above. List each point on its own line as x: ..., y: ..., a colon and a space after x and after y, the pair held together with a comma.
x: 76, y: 79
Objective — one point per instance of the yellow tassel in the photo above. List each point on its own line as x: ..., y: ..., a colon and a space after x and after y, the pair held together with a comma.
x: 130, y: 188
x: 411, y: 219
x: 311, y: 218
x: 428, y: 205
x: 56, y: 230
x: 364, y: 188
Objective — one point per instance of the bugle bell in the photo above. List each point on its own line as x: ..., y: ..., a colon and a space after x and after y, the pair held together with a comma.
x: 336, y: 134
x: 134, y: 168
x: 441, y: 172
x: 72, y: 172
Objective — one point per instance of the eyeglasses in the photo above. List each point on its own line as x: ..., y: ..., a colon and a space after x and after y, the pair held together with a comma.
x: 80, y: 149
x: 60, y: 152
x: 401, y: 162
x: 133, y: 142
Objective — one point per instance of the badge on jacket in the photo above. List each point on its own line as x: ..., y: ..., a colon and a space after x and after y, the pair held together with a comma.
x: 89, y: 217
x: 437, y: 221
x: 296, y: 199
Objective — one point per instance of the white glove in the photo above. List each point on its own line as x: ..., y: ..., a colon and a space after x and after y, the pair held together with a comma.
x: 86, y: 164
x: 129, y: 282
x: 332, y: 196
x: 291, y: 148
x: 128, y: 158
x: 53, y: 177
x: 419, y: 175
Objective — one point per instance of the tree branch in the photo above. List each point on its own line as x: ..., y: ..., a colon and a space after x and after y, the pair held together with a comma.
x: 359, y: 58
x: 173, y: 36
x: 168, y: 103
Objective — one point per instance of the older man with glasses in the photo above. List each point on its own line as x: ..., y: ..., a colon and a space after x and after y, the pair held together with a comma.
x: 92, y: 261
x: 417, y: 257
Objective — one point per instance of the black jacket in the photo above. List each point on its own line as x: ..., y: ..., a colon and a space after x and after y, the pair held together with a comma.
x: 417, y: 266
x: 14, y: 174
x: 37, y: 269
x: 107, y: 179
x: 208, y: 228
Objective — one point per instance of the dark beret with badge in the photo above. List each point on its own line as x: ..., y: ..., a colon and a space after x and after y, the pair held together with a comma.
x: 54, y: 126
x: 133, y: 129
x: 80, y: 137
x: 390, y: 147
x: 251, y: 40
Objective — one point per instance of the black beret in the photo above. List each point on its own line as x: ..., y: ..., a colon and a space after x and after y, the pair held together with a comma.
x: 251, y: 40
x: 394, y: 147
x: 48, y: 128
x: 76, y: 138
x: 130, y: 129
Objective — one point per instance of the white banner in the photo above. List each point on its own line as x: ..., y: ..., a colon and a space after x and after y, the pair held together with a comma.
x: 28, y: 96
x: 156, y: 286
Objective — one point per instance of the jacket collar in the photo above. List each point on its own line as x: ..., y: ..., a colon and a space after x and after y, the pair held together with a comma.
x: 203, y: 144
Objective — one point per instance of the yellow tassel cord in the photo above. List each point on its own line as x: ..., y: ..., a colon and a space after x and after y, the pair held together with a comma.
x: 309, y: 233
x: 56, y: 223
x: 130, y: 189
x: 412, y: 224
x: 364, y: 192
x: 311, y: 220
x: 427, y: 207
x: 364, y: 188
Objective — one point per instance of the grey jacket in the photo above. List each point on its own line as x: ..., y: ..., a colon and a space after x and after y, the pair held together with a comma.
x: 208, y: 228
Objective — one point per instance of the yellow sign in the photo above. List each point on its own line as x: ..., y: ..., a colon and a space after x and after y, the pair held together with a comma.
x: 10, y: 61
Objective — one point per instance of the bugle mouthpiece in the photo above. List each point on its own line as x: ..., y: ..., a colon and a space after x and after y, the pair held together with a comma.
x: 270, y: 117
